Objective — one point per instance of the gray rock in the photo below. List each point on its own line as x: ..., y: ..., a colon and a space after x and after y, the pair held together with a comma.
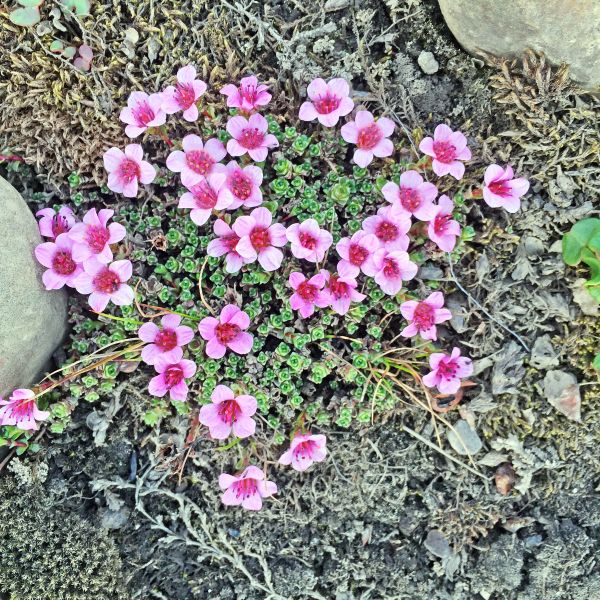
x: 429, y: 65
x: 33, y: 321
x: 465, y: 441
x: 564, y: 30
x: 437, y: 544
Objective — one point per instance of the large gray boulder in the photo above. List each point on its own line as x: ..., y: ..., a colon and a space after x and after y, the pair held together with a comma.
x: 566, y: 31
x: 33, y: 321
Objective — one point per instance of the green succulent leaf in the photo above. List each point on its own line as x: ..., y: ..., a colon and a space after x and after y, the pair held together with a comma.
x: 29, y: 3
x: 596, y: 362
x: 592, y: 261
x: 25, y: 17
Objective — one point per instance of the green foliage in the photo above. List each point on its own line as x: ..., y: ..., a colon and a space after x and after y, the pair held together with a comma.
x: 312, y: 369
x: 582, y: 244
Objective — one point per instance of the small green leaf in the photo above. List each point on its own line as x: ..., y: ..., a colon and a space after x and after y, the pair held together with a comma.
x: 70, y: 52
x: 596, y: 363
x: 589, y: 258
x: 29, y: 3
x: 577, y: 239
x: 57, y: 47
x: 79, y: 7
x: 595, y: 293
x: 25, y: 17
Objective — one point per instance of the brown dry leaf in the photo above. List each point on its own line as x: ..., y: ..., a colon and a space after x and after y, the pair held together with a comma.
x: 562, y: 392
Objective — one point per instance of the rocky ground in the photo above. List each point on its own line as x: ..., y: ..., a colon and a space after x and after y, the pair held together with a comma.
x: 388, y: 516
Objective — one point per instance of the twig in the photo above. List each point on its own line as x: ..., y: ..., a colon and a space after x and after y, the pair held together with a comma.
x: 497, y: 321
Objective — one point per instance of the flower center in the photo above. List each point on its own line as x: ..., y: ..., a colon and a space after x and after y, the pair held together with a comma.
x: 97, y: 237
x: 305, y: 449
x: 106, y: 281
x: 338, y: 288
x: 447, y: 369
x: 63, y: 263
x: 184, y: 95
x: 143, y: 114
x: 386, y: 231
x: 21, y: 409
x: 500, y: 188
x: 166, y: 339
x: 230, y: 242
x: 369, y: 137
x: 173, y: 375
x: 307, y: 291
x: 357, y: 254
x: 444, y: 151
x: 423, y: 316
x: 260, y: 239
x: 226, y: 332
x: 410, y: 199
x: 308, y: 241
x: 204, y: 195
x: 440, y: 223
x: 390, y: 268
x: 199, y: 161
x: 251, y: 138
x: 248, y: 93
x: 244, y: 488
x: 59, y: 225
x: 229, y: 411
x: 327, y: 104
x: 241, y: 185
x: 129, y: 170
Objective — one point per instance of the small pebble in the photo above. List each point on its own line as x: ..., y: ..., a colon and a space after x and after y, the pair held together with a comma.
x: 429, y: 65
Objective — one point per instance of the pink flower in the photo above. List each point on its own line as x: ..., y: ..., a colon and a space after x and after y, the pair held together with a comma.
x: 93, y: 237
x: 106, y: 283
x: 166, y: 341
x: 305, y: 450
x: 248, y: 489
x: 126, y: 169
x: 244, y: 185
x: 229, y: 413
x: 308, y: 293
x: 424, y: 316
x: 447, y: 148
x: 226, y: 244
x: 226, y: 332
x: 197, y: 160
x: 392, y: 268
x: 390, y: 226
x: 447, y: 371
x: 57, y: 256
x: 21, y: 411
x: 442, y: 229
x: 501, y: 189
x: 342, y: 292
x: 329, y: 101
x: 52, y: 224
x: 370, y: 137
x: 204, y: 197
x: 357, y: 254
x: 308, y: 240
x: 414, y: 196
x: 250, y: 136
x: 142, y: 112
x: 259, y: 239
x: 171, y: 378
x: 248, y: 96
x: 185, y: 94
